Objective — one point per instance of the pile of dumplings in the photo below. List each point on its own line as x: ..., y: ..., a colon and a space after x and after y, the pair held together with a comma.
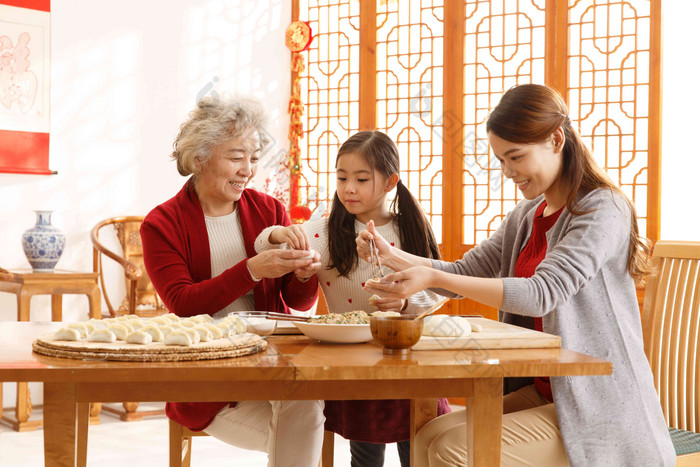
x: 168, y: 329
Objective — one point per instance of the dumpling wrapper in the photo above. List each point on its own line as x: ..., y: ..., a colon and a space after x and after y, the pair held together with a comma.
x: 102, y: 335
x: 178, y: 338
x: 67, y: 334
x: 446, y: 326
x: 139, y: 337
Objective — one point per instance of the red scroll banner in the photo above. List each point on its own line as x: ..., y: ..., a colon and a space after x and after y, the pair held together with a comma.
x: 298, y: 38
x: 24, y: 86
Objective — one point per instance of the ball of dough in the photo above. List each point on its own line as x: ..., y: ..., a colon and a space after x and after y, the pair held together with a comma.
x: 446, y: 326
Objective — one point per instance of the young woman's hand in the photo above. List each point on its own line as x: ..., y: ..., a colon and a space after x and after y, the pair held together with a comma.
x: 402, y: 284
x: 305, y: 273
x: 293, y: 235
x: 362, y: 241
x: 389, y: 304
x: 277, y: 263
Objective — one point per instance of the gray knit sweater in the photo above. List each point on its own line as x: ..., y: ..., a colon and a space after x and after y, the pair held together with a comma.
x: 584, y: 294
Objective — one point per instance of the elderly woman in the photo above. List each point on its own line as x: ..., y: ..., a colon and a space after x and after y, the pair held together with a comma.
x: 199, y: 253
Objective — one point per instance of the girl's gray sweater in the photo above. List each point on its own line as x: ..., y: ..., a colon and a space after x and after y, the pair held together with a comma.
x: 584, y: 294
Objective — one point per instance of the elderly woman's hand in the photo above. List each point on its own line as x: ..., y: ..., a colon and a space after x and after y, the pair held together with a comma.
x: 304, y: 274
x: 277, y: 263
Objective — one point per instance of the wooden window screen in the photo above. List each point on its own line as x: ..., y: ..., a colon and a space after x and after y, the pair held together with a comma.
x: 428, y: 73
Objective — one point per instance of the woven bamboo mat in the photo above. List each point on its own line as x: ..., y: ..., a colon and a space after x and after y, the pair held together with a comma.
x: 234, y: 346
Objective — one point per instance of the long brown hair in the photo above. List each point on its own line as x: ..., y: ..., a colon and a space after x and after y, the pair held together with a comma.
x: 415, y: 232
x: 531, y: 113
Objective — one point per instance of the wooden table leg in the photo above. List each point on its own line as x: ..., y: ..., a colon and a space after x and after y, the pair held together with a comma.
x: 56, y: 307
x: 60, y: 424
x: 422, y: 411
x: 23, y: 299
x: 327, y: 449
x: 485, y: 422
x: 83, y: 424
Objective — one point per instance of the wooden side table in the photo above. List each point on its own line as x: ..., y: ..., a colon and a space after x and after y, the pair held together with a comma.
x: 25, y: 283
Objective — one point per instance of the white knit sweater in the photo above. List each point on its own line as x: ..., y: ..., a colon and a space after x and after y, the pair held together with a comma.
x: 345, y: 294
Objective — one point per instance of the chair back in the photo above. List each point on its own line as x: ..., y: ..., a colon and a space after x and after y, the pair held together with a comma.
x: 141, y: 298
x: 671, y: 319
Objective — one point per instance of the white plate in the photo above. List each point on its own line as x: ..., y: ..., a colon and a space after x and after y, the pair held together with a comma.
x: 336, y: 333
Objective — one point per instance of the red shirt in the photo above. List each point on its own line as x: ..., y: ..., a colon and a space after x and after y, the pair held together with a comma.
x: 528, y: 260
x: 177, y: 258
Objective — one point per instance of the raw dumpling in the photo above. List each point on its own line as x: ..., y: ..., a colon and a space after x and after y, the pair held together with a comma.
x: 373, y: 299
x: 81, y: 328
x: 178, y: 338
x: 67, y: 334
x: 102, y: 335
x: 119, y: 330
x: 156, y: 334
x: 216, y: 331
x: 139, y: 337
x: 205, y: 334
x: 194, y: 335
x: 446, y: 326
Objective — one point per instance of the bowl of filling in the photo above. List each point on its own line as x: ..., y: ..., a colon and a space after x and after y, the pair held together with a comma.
x: 337, y: 328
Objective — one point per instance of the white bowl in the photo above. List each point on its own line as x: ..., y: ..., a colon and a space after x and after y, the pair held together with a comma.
x: 259, y: 326
x: 336, y: 333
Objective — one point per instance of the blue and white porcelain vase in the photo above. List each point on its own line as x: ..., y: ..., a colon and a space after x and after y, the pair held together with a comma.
x: 43, y: 244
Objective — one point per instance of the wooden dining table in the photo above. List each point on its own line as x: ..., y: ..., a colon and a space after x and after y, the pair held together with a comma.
x: 292, y: 368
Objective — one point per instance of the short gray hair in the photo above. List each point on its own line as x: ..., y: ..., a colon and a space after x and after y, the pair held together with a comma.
x: 214, y: 121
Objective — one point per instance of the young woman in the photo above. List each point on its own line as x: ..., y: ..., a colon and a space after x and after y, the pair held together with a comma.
x: 565, y: 260
x: 198, y: 251
x: 367, y: 167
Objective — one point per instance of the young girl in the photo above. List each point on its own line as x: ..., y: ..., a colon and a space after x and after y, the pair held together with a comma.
x: 565, y: 260
x: 367, y: 167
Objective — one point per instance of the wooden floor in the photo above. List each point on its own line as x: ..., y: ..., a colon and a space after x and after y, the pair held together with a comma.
x: 145, y: 444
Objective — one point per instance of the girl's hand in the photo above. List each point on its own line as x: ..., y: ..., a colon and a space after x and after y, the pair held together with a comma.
x: 293, y: 235
x: 402, y: 284
x: 389, y: 304
x: 277, y: 263
x: 304, y: 274
x: 383, y: 247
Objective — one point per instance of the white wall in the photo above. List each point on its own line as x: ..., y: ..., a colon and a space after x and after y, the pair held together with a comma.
x: 125, y: 74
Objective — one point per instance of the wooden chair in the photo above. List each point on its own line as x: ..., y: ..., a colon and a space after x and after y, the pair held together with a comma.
x: 140, y: 299
x: 671, y: 322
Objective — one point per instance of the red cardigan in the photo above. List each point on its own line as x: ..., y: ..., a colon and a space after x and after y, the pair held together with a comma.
x: 177, y: 259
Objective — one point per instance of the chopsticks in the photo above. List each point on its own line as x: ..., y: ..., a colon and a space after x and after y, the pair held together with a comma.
x: 270, y: 315
x: 374, y: 258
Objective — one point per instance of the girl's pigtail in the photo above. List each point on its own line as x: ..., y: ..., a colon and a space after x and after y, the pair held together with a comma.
x: 414, y: 229
x: 341, y: 238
